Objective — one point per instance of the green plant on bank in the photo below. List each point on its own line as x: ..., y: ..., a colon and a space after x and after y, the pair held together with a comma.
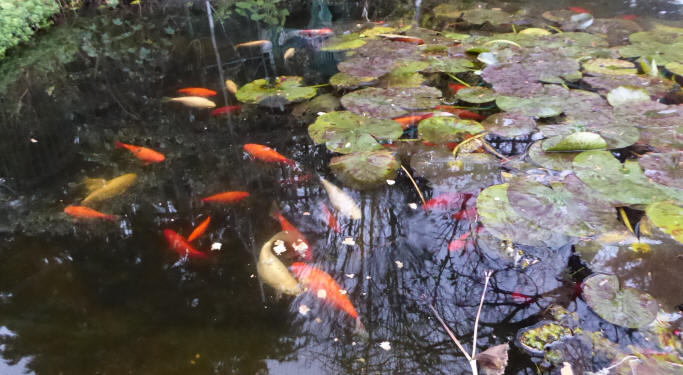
x: 20, y: 19
x: 271, y: 12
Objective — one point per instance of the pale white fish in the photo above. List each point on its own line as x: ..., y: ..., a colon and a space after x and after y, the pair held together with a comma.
x: 273, y: 272
x: 289, y: 53
x: 341, y: 201
x: 194, y: 101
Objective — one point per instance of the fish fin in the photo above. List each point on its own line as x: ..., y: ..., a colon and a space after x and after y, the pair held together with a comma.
x: 113, y: 218
x: 274, y: 211
x: 118, y: 144
x: 359, y: 329
x: 92, y: 184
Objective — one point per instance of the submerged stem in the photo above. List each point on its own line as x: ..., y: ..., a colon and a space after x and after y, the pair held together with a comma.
x: 450, y: 333
x: 455, y: 150
x: 414, y: 184
x: 458, y: 79
x: 481, y: 303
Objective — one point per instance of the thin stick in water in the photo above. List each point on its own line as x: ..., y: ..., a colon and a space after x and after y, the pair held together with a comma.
x: 414, y: 184
x: 476, y: 321
x: 450, y: 333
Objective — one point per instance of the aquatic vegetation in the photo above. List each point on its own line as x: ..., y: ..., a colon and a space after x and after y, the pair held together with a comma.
x: 346, y: 132
x: 22, y: 19
x: 365, y: 170
x: 621, y: 306
x: 285, y: 88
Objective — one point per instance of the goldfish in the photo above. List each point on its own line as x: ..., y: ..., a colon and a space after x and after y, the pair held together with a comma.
x: 455, y: 87
x: 197, y: 91
x: 459, y: 244
x: 462, y: 113
x: 266, y: 44
x: 267, y: 154
x: 303, y: 251
x: 467, y: 214
x: 199, y: 230
x: 111, y: 188
x: 145, y: 154
x: 226, y: 110
x: 93, y: 184
x: 231, y: 86
x: 315, y: 32
x: 628, y: 17
x: 227, y: 197
x: 517, y: 296
x: 403, y: 38
x: 273, y: 272
x: 181, y: 246
x: 446, y: 201
x: 82, y: 212
x: 316, y: 280
x: 289, y: 53
x: 578, y: 10
x: 341, y: 201
x: 194, y: 101
x: 410, y: 120
x: 331, y: 219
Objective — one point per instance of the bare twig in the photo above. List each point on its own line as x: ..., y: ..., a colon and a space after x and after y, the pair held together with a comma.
x: 481, y: 303
x: 414, y: 184
x: 450, y: 333
x: 457, y: 148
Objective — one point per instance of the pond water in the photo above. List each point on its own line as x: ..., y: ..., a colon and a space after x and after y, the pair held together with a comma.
x: 113, y: 297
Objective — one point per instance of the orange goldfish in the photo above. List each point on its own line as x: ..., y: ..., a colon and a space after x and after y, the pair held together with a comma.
x: 403, y: 38
x: 82, y: 212
x: 578, y: 10
x: 462, y: 113
x: 315, y: 32
x: 267, y: 154
x: 145, y: 154
x: 199, y: 230
x: 255, y: 43
x: 455, y: 87
x: 296, y: 235
x: 317, y: 280
x: 446, y: 201
x: 180, y: 245
x: 227, y: 197
x: 332, y: 221
x: 410, y: 120
x: 197, y: 91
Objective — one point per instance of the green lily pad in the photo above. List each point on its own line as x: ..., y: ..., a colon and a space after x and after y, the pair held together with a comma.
x: 478, y: 16
x: 622, y: 184
x: 536, y: 338
x: 558, y: 161
x: 390, y: 102
x: 361, y: 66
x: 392, y: 80
x: 448, y: 65
x: 448, y: 11
x: 580, y: 141
x: 675, y: 68
x: 344, y: 43
x: 346, y: 132
x: 609, y: 67
x: 615, y: 136
x: 661, y: 46
x: 466, y: 173
x: 535, y: 31
x: 476, y: 95
x: 348, y: 82
x: 668, y: 218
x: 565, y: 207
x: 656, y: 87
x: 625, y: 307
x: 375, y: 32
x: 458, y: 37
x: 409, y: 66
x: 624, y: 96
x: 365, y: 170
x: 288, y: 89
x: 550, y: 102
x: 509, y: 124
x: 664, y: 168
x: 502, y: 220
x: 307, y: 111
x: 442, y: 129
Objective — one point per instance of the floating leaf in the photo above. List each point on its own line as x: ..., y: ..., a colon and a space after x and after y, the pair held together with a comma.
x: 536, y: 338
x: 609, y: 67
x: 494, y: 360
x: 535, y: 31
x: 346, y: 132
x: 448, y: 65
x: 580, y: 141
x: 558, y: 161
x: 286, y: 88
x: 346, y: 81
x: 390, y: 102
x: 503, y: 221
x: 396, y: 80
x: 477, y: 16
x: 625, y: 183
x: 344, y: 43
x: 668, y: 218
x: 664, y: 168
x: 626, y: 307
x: 623, y: 95
x: 439, y: 129
x: 661, y: 46
x: 467, y: 173
x: 360, y: 66
x: 476, y: 95
x: 656, y: 87
x: 675, y: 68
x: 449, y: 11
x: 509, y: 124
x: 549, y: 103
x: 364, y: 170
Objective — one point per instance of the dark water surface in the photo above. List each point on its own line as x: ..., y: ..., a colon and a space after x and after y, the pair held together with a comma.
x: 111, y: 298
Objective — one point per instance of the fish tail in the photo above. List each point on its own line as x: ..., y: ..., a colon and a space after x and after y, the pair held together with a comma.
x: 167, y: 99
x: 112, y: 217
x: 359, y: 329
x: 274, y: 211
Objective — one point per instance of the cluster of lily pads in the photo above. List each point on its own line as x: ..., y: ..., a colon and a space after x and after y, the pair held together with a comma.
x: 589, y: 91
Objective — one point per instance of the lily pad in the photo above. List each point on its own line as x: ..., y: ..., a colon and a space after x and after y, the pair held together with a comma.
x: 664, y: 168
x: 675, y: 68
x: 285, y: 88
x: 609, y: 67
x: 344, y: 43
x: 550, y: 102
x: 615, y: 136
x: 449, y: 11
x: 623, y: 184
x: 662, y: 47
x: 390, y: 102
x: 439, y: 129
x: 448, y: 65
x: 467, y: 173
x: 503, y: 221
x: 509, y: 124
x: 365, y: 170
x: 668, y: 218
x: 656, y: 87
x: 624, y: 96
x: 626, y: 307
x: 535, y: 31
x: 366, y: 66
x: 478, y: 16
x: 346, y: 132
x: 394, y: 80
x: 580, y: 141
x: 346, y: 81
x: 476, y: 95
x: 558, y: 161
x: 565, y: 207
